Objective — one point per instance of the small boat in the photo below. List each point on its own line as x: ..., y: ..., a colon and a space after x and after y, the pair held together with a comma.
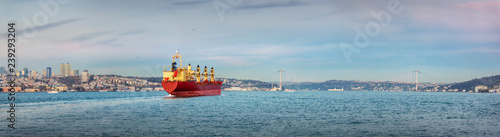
x: 52, y: 92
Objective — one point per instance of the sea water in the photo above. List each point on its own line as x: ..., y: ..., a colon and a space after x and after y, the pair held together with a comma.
x: 254, y: 113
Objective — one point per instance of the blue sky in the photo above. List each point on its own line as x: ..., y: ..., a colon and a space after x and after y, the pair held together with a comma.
x: 449, y: 40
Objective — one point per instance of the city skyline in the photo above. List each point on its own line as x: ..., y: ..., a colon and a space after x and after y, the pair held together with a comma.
x: 452, y: 41
x: 47, y: 72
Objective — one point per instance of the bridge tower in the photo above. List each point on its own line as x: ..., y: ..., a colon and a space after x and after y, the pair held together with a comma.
x: 281, y: 79
x: 416, y: 80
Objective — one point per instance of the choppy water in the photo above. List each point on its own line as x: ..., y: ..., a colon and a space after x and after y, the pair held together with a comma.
x: 255, y: 113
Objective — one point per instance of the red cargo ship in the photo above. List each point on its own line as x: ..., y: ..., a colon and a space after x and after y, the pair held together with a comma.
x: 184, y: 82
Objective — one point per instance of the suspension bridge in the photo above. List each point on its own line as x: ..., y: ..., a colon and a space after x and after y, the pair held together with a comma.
x: 407, y: 78
x: 288, y: 78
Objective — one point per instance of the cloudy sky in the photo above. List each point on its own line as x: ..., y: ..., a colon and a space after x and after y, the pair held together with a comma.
x: 448, y: 40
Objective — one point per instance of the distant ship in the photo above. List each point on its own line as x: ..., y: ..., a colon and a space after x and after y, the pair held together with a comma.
x: 184, y: 82
x: 52, y: 91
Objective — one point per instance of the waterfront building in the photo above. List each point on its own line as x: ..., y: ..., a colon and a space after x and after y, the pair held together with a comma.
x: 480, y: 88
x: 496, y: 89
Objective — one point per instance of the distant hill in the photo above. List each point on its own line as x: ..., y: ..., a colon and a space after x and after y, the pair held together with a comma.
x: 353, y: 85
x: 231, y: 82
x: 469, y: 85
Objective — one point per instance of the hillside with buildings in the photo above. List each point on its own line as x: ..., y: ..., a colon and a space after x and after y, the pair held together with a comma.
x: 70, y: 80
x: 484, y: 84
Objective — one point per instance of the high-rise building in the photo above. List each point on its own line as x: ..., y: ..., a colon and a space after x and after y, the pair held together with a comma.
x: 44, y: 73
x: 85, y: 76
x: 25, y: 72
x: 67, y: 69
x: 2, y: 71
x: 63, y: 70
x: 76, y: 72
x: 34, y: 74
x: 49, y: 72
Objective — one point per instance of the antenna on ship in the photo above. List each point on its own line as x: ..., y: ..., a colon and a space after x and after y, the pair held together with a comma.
x: 177, y: 56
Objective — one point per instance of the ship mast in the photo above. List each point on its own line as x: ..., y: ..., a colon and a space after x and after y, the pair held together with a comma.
x: 177, y: 56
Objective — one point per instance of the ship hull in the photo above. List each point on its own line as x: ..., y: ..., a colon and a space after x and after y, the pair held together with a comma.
x: 192, y: 88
